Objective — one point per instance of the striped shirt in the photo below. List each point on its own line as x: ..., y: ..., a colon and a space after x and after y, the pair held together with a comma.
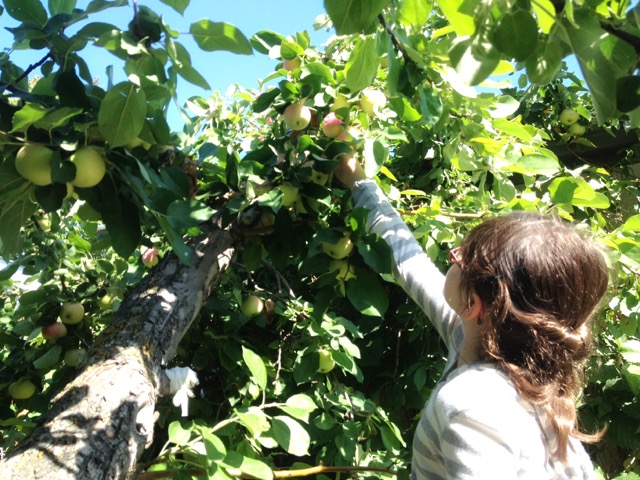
x: 474, y: 425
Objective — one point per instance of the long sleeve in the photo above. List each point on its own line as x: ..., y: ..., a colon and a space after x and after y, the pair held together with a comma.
x: 414, y: 271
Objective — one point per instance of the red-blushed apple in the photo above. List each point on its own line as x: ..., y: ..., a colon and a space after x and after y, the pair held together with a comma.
x: 149, y: 256
x: 90, y: 166
x: 71, y: 313
x: 22, y: 389
x: 568, y: 117
x: 291, y: 65
x: 54, y: 331
x: 372, y: 100
x: 338, y: 250
x: 326, y: 362
x: 297, y: 116
x: 252, y: 306
x: 332, y: 125
x: 33, y: 162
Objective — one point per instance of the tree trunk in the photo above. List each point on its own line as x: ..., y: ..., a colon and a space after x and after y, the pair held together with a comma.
x: 99, y: 425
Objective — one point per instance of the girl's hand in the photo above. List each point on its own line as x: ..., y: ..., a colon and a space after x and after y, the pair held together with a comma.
x: 349, y: 170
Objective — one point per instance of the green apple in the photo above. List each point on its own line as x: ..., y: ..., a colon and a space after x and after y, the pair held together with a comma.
x: 110, y: 299
x: 71, y: 313
x: 45, y: 222
x: 289, y: 194
x: 291, y: 65
x: 149, y: 256
x: 345, y: 270
x: 326, y: 362
x: 33, y: 162
x: 297, y: 116
x: 90, y: 167
x: 372, y: 100
x: 338, y: 250
x: 54, y: 331
x: 577, y: 129
x: 74, y: 356
x: 332, y: 125
x: 568, y: 117
x: 22, y: 389
x: 252, y: 306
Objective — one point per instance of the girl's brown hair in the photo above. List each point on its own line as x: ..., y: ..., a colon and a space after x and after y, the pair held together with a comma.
x: 540, y: 281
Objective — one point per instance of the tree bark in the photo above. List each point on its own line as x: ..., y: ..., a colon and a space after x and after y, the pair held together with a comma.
x: 100, y: 424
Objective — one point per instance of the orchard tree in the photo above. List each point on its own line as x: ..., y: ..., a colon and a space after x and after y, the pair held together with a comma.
x: 228, y: 252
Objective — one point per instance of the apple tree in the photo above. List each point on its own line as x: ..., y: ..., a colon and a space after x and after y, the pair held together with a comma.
x: 229, y: 248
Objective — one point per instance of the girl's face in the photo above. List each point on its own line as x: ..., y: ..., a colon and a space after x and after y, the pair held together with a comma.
x: 454, y: 289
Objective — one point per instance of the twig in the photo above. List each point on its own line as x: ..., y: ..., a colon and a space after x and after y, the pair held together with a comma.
x: 279, y: 277
x: 32, y: 67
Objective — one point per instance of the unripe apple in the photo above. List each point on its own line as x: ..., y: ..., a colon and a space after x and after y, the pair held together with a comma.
x: 338, y: 250
x: 71, y: 313
x: 74, y: 357
x: 33, y: 162
x: 22, y: 389
x: 289, y: 194
x: 345, y: 270
x: 149, y: 256
x: 110, y: 299
x: 90, y: 167
x: 291, y: 65
x: 252, y: 306
x: 326, y: 362
x: 568, y: 117
x: 297, y: 116
x: 332, y: 125
x: 45, y: 222
x: 372, y: 100
x: 576, y: 129
x: 54, y: 331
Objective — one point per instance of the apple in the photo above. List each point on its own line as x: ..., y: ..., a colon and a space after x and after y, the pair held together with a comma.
x: 332, y: 125
x: 576, y: 129
x: 54, y: 331
x: 110, y: 299
x: 45, y: 222
x: 338, y: 250
x: 340, y: 102
x: 568, y: 117
x: 71, y: 313
x: 74, y: 356
x: 297, y: 116
x: 149, y: 256
x: 289, y: 194
x: 33, y: 162
x: 90, y: 167
x: 252, y: 306
x: 22, y: 389
x: 372, y: 101
x: 345, y: 270
x: 291, y: 65
x: 326, y: 362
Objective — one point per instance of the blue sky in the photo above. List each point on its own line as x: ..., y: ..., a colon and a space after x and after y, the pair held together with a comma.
x: 221, y: 69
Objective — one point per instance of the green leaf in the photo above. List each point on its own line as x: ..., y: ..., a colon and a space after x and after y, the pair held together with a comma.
x: 184, y: 214
x: 473, y: 64
x: 264, y: 40
x: 249, y: 466
x: 58, y: 118
x: 545, y: 62
x: 28, y: 11
x: 49, y: 359
x: 178, y: 5
x: 362, y: 65
x: 628, y: 93
x: 367, y: 295
x: 290, y: 435
x: 536, y: 164
x: 545, y: 13
x: 216, y: 450
x: 12, y: 216
x: 516, y: 34
x: 256, y: 366
x: 460, y: 14
x: 299, y: 406
x: 632, y: 224
x: 27, y: 116
x: 353, y: 16
x: 182, y: 64
x: 561, y: 189
x: 61, y: 6
x: 414, y: 12
x: 122, y: 114
x: 212, y: 36
x: 264, y: 100
x: 178, y: 434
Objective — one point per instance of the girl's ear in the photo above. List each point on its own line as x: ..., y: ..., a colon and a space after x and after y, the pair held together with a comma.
x: 475, y: 308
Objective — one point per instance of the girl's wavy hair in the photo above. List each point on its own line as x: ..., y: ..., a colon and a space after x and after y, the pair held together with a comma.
x: 541, y: 282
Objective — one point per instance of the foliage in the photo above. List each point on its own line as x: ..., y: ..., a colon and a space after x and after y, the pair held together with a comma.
x: 469, y: 127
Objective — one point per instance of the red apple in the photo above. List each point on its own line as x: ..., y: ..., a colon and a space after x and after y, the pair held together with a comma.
x: 54, y: 331
x: 332, y: 125
x: 149, y: 256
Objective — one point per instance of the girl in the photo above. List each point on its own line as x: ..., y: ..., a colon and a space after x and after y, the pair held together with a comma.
x: 514, y: 311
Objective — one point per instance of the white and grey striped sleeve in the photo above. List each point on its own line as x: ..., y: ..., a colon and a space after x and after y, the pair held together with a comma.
x: 414, y: 271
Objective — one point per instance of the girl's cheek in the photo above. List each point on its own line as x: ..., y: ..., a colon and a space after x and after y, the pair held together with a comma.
x: 453, y: 292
